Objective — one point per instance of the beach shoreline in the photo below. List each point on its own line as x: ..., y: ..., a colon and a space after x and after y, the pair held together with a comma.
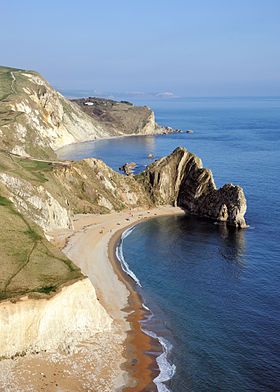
x: 109, y: 361
x: 106, y: 138
x: 139, y: 362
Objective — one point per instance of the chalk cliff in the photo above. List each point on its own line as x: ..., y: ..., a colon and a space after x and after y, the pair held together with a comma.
x: 39, y: 193
x: 122, y: 118
x: 35, y: 119
x: 45, y: 301
x: 51, y: 193
x: 37, y: 202
x: 72, y: 315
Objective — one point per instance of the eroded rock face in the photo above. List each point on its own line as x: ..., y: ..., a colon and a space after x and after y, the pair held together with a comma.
x: 35, y: 119
x: 121, y: 118
x: 180, y: 179
x: 37, y: 203
x: 72, y: 315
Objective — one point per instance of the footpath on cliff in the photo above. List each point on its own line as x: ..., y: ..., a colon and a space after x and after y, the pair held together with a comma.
x: 58, y: 330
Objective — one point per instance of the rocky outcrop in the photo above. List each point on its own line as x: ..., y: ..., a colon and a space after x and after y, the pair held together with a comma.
x: 46, y: 302
x: 72, y: 315
x: 37, y: 203
x: 127, y: 168
x: 121, y: 118
x: 33, y: 113
x: 51, y: 196
x: 49, y: 193
x: 180, y: 179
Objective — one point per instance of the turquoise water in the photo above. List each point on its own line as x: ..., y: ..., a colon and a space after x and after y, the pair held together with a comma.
x: 213, y: 292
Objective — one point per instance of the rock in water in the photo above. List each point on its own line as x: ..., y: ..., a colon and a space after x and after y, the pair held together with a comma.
x: 180, y: 179
x: 151, y: 156
x: 127, y: 168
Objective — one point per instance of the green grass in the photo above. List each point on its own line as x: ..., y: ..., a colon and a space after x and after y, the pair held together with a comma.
x: 46, y: 289
x: 24, y: 168
x: 4, y: 202
x: 33, y: 234
x: 28, y: 262
x: 36, y: 168
x: 5, y: 85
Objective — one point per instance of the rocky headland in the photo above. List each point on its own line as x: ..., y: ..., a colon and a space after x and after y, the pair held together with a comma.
x: 40, y: 194
x: 121, y: 118
x: 181, y: 180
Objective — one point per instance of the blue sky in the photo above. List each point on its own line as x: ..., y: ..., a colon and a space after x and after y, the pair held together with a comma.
x: 189, y: 48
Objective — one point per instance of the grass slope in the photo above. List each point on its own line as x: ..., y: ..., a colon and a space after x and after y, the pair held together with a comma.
x: 28, y: 262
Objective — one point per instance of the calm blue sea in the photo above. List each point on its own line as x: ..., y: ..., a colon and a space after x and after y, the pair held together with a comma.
x: 213, y: 292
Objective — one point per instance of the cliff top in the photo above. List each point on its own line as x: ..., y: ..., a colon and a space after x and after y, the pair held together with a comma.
x: 35, y: 119
x: 39, y: 193
x: 121, y: 116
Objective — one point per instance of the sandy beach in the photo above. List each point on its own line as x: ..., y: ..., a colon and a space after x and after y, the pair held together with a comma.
x: 107, y: 361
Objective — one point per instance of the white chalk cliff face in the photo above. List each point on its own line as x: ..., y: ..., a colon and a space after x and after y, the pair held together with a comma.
x: 34, y: 120
x: 47, y: 117
x: 37, y: 119
x: 71, y: 315
x: 37, y: 203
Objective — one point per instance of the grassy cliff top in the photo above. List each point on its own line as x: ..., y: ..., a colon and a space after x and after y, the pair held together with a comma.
x: 48, y: 192
x: 19, y: 99
x: 123, y: 116
x: 28, y: 262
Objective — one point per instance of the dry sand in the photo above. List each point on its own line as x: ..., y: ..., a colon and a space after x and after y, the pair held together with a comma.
x: 107, y: 361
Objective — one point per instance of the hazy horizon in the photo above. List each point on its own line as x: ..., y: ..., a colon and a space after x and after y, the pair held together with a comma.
x: 119, y: 95
x: 180, y: 49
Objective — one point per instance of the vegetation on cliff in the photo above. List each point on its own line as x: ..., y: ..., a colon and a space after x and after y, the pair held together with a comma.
x: 29, y: 263
x: 39, y: 193
x: 35, y: 118
x: 121, y: 117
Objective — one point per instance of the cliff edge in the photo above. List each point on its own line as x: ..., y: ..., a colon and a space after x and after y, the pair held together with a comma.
x: 73, y: 314
x: 35, y: 119
x: 39, y: 193
x: 122, y: 118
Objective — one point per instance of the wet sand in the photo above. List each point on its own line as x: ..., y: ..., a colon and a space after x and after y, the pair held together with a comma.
x: 108, y: 361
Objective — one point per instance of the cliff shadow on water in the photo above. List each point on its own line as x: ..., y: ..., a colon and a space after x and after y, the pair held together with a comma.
x: 190, y: 270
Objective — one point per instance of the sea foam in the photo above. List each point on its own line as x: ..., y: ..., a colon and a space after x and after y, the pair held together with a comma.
x: 166, y: 369
x: 120, y: 256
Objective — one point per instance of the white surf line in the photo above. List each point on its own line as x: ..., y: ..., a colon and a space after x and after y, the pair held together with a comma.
x: 120, y: 256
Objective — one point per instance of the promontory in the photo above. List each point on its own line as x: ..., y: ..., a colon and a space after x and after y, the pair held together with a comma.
x: 47, y: 301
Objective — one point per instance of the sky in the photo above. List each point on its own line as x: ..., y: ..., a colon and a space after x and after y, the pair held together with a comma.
x: 178, y: 47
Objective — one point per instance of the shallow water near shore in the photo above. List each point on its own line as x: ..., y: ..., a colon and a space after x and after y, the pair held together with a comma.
x: 214, y: 292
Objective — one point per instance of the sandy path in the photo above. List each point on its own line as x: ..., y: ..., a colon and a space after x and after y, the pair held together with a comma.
x: 94, y: 365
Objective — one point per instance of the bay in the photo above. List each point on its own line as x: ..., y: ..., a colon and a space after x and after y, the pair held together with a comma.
x: 214, y: 291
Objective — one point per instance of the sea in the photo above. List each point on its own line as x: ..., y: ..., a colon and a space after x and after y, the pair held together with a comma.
x: 213, y: 292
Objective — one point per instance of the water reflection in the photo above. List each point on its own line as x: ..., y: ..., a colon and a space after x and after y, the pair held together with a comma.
x: 234, y: 239
x: 196, y: 242
x: 114, y: 152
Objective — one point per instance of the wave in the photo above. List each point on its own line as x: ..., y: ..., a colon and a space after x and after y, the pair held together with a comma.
x: 166, y: 369
x: 146, y: 307
x: 120, y: 256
